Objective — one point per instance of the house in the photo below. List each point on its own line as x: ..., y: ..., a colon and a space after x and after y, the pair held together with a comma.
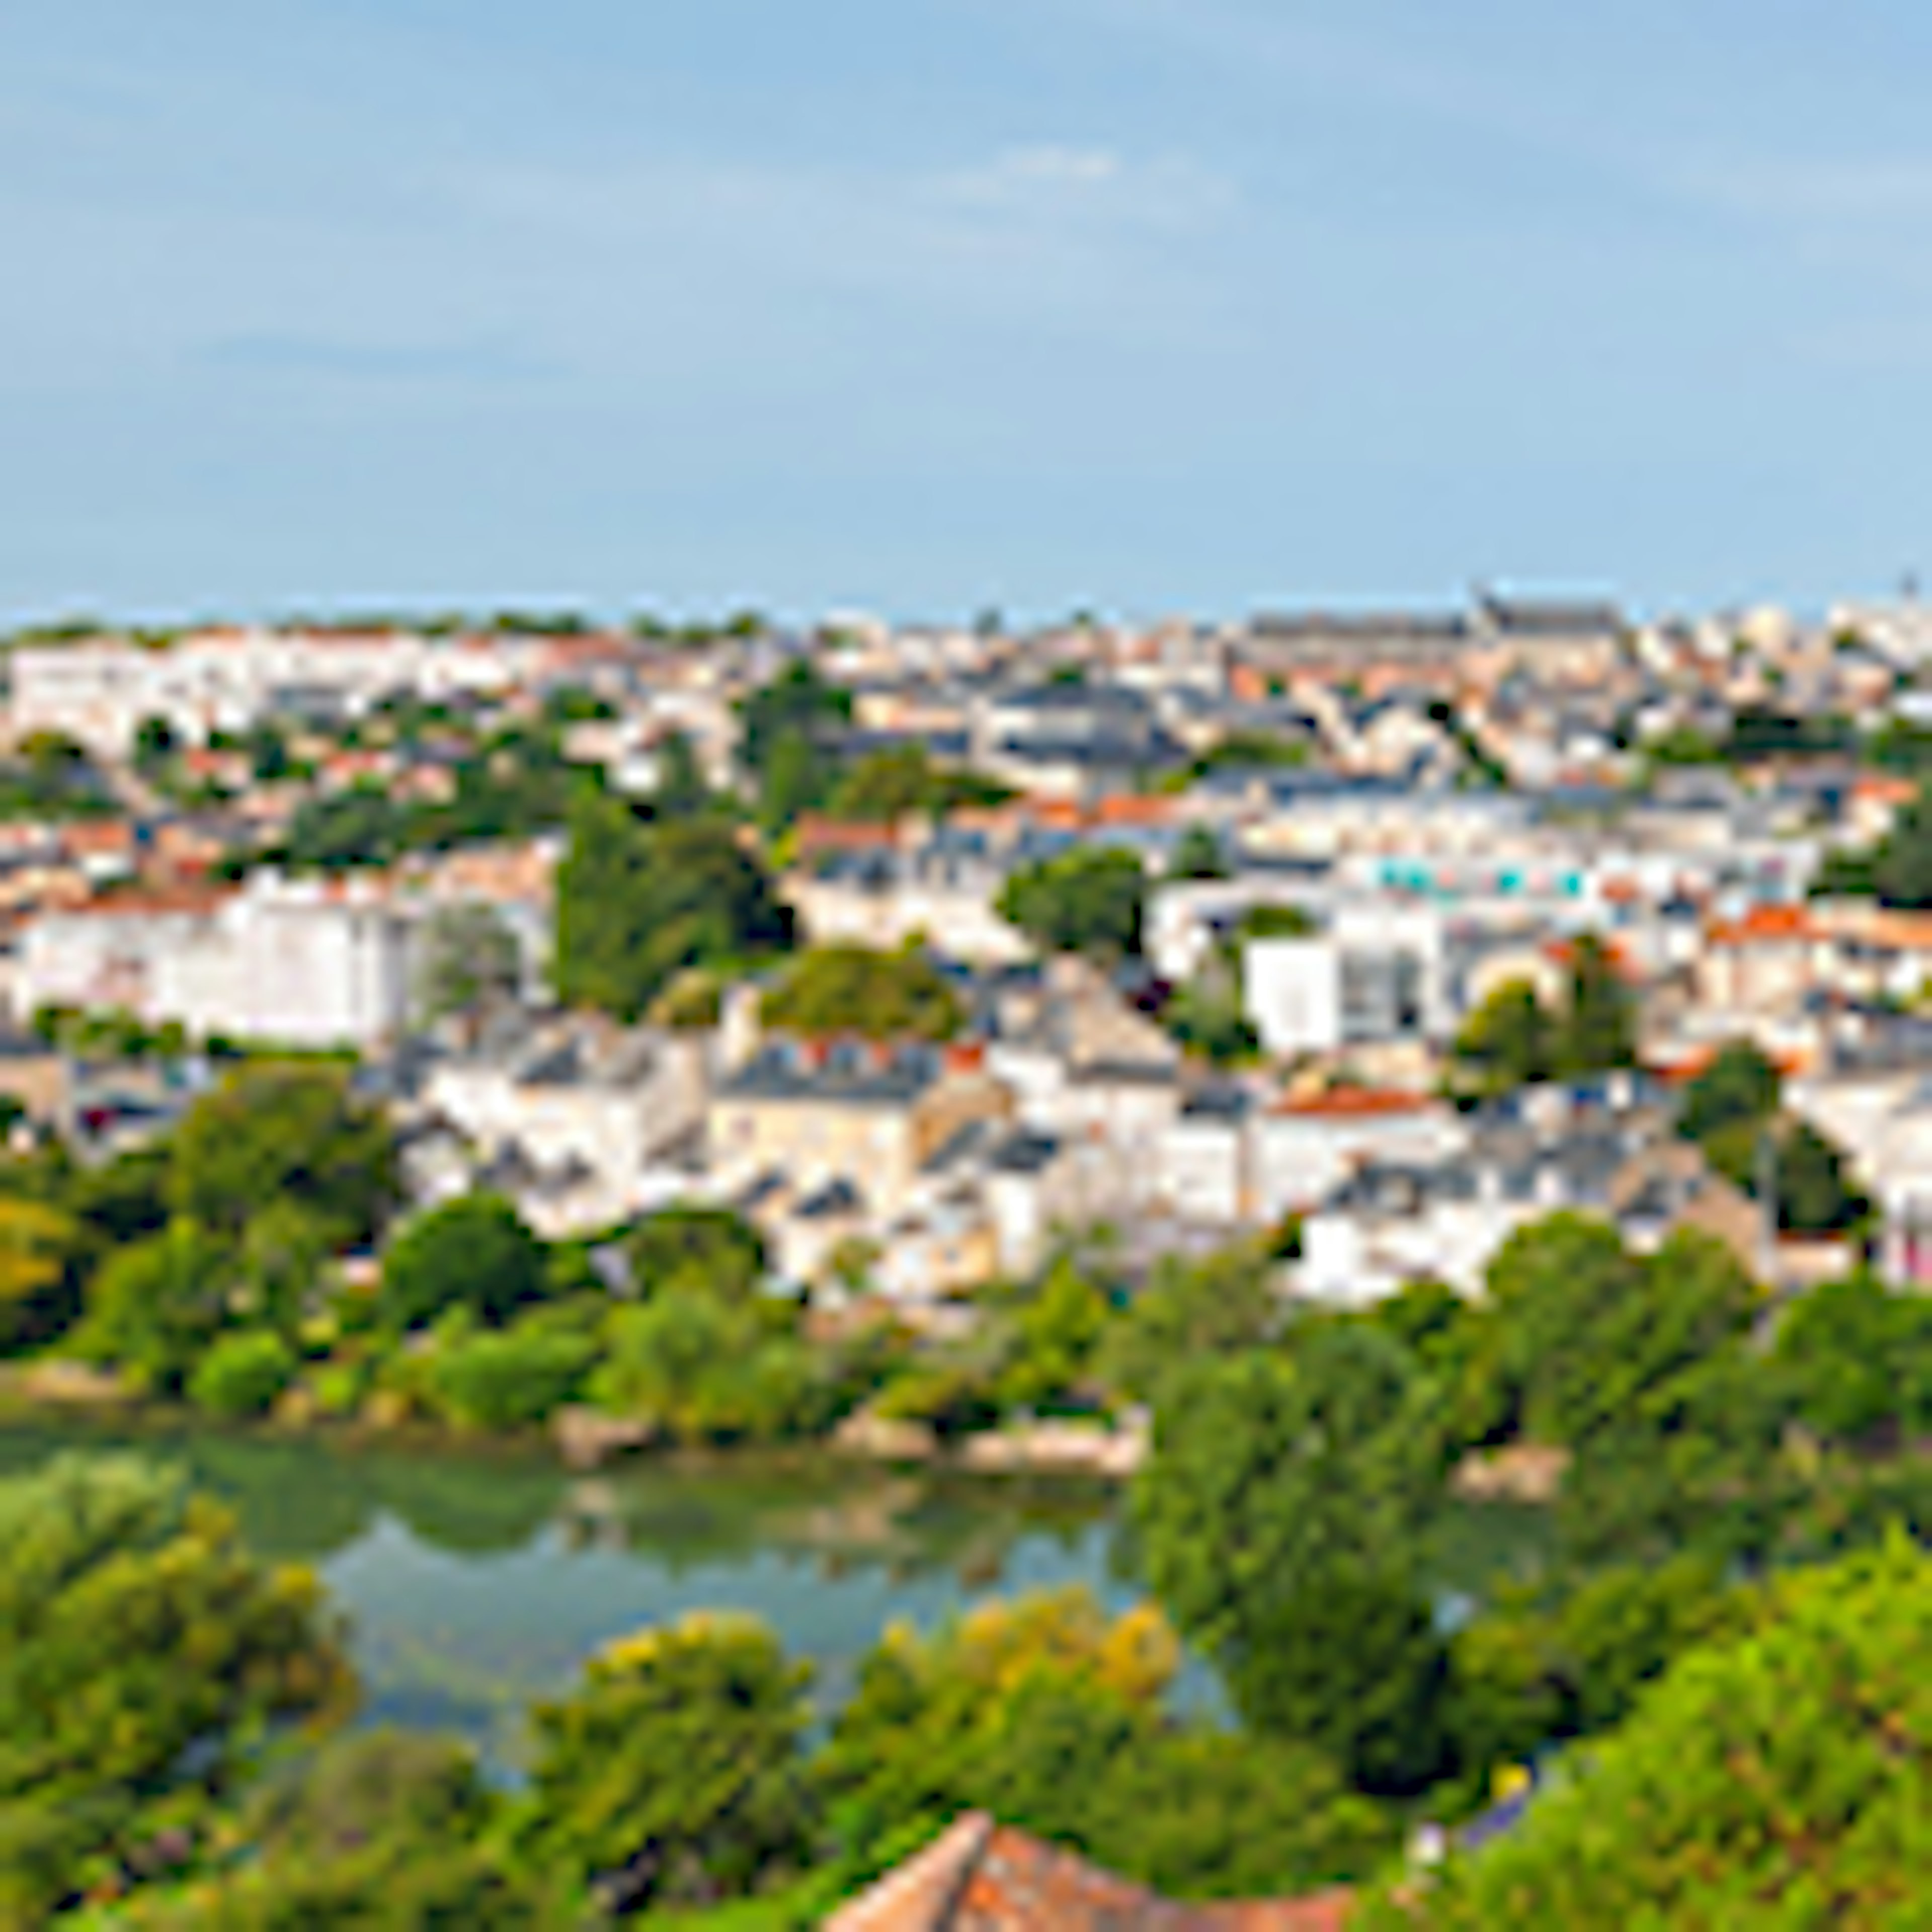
x: 868, y: 1113
x: 1307, y: 1144
x: 1086, y: 1067
x: 981, y: 1876
x: 578, y: 1114
x: 1607, y: 1150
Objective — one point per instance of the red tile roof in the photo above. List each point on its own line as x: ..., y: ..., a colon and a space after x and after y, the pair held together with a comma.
x: 978, y: 1876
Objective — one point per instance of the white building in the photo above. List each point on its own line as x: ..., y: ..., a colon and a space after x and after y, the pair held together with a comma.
x: 304, y: 962
x: 99, y: 691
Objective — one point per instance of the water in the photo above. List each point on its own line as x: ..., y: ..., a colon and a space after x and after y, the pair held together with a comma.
x: 473, y: 1581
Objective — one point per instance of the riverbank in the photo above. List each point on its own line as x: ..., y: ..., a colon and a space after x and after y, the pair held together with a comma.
x: 584, y: 1441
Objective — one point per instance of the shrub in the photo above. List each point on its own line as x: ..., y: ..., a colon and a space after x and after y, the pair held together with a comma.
x: 511, y: 1381
x: 242, y: 1374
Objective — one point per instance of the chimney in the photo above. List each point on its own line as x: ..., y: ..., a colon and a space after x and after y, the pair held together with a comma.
x: 965, y: 1056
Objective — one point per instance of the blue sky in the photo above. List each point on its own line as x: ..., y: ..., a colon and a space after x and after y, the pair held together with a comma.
x: 927, y: 305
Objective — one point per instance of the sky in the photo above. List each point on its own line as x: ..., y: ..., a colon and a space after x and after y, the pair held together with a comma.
x: 928, y: 307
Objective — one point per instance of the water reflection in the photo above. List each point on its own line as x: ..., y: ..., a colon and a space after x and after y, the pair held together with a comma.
x: 475, y: 1581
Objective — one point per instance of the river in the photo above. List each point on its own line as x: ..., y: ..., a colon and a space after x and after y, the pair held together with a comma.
x: 472, y: 1581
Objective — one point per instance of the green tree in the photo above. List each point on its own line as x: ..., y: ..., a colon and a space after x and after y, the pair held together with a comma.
x: 1050, y: 1714
x: 1509, y: 1040
x: 474, y: 1252
x: 1578, y: 1328
x: 902, y: 779
x: 470, y: 957
x: 285, y: 1133
x: 1859, y: 1358
x: 154, y: 1308
x: 798, y: 702
x: 1902, y: 867
x: 1188, y: 1312
x: 798, y: 777
x: 681, y: 791
x: 854, y: 989
x: 1815, y: 1194
x: 242, y: 1374
x: 39, y: 1244
x: 707, y: 1370
x: 673, y: 1772
x: 145, y: 1655
x: 1059, y: 1328
x: 638, y: 903
x: 1088, y: 901
x: 706, y: 1250
x: 1775, y: 1779
x: 1741, y: 1087
x: 1279, y: 1490
x: 1598, y: 1031
x: 382, y: 1829
x: 513, y: 1380
x: 1199, y: 855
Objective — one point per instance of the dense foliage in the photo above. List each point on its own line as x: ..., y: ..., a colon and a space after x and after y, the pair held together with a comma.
x: 1088, y: 901
x: 1779, y: 1778
x: 833, y: 989
x: 640, y: 901
x: 142, y: 1653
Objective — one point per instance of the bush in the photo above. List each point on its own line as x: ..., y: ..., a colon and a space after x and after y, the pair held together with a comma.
x: 474, y: 1253
x: 511, y: 1381
x: 242, y: 1374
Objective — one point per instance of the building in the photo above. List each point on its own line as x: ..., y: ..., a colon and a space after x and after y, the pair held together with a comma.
x: 305, y: 962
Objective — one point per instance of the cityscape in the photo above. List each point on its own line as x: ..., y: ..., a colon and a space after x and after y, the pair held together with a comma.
x: 965, y: 967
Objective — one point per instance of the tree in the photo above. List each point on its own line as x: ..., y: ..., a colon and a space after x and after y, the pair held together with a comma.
x: 673, y: 1771
x: 153, y: 1308
x: 1579, y: 1328
x: 155, y: 742
x: 1510, y: 1040
x: 512, y: 1380
x: 242, y: 1374
x: 1189, y: 1312
x: 901, y: 780
x: 798, y: 778
x: 1087, y: 901
x: 798, y: 702
x: 1772, y: 1779
x: 1052, y: 1715
x: 1902, y: 868
x: 638, y: 902
x: 708, y: 1250
x: 1859, y: 1358
x: 474, y: 1252
x: 1597, y: 1032
x: 39, y: 1243
x: 1741, y: 1087
x: 854, y: 989
x: 680, y: 791
x: 1059, y: 1328
x: 705, y: 1370
x: 285, y: 1132
x: 470, y: 958
x: 1277, y: 1521
x: 146, y: 1655
x: 381, y: 1828
x: 1815, y: 1195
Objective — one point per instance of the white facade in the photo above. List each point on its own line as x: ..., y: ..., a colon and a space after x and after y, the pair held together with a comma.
x: 1302, y: 1153
x: 300, y: 962
x: 99, y: 691
x: 608, y: 1124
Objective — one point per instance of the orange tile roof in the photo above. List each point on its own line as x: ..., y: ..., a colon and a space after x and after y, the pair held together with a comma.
x: 1764, y: 925
x: 978, y: 1876
x: 1353, y: 1103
